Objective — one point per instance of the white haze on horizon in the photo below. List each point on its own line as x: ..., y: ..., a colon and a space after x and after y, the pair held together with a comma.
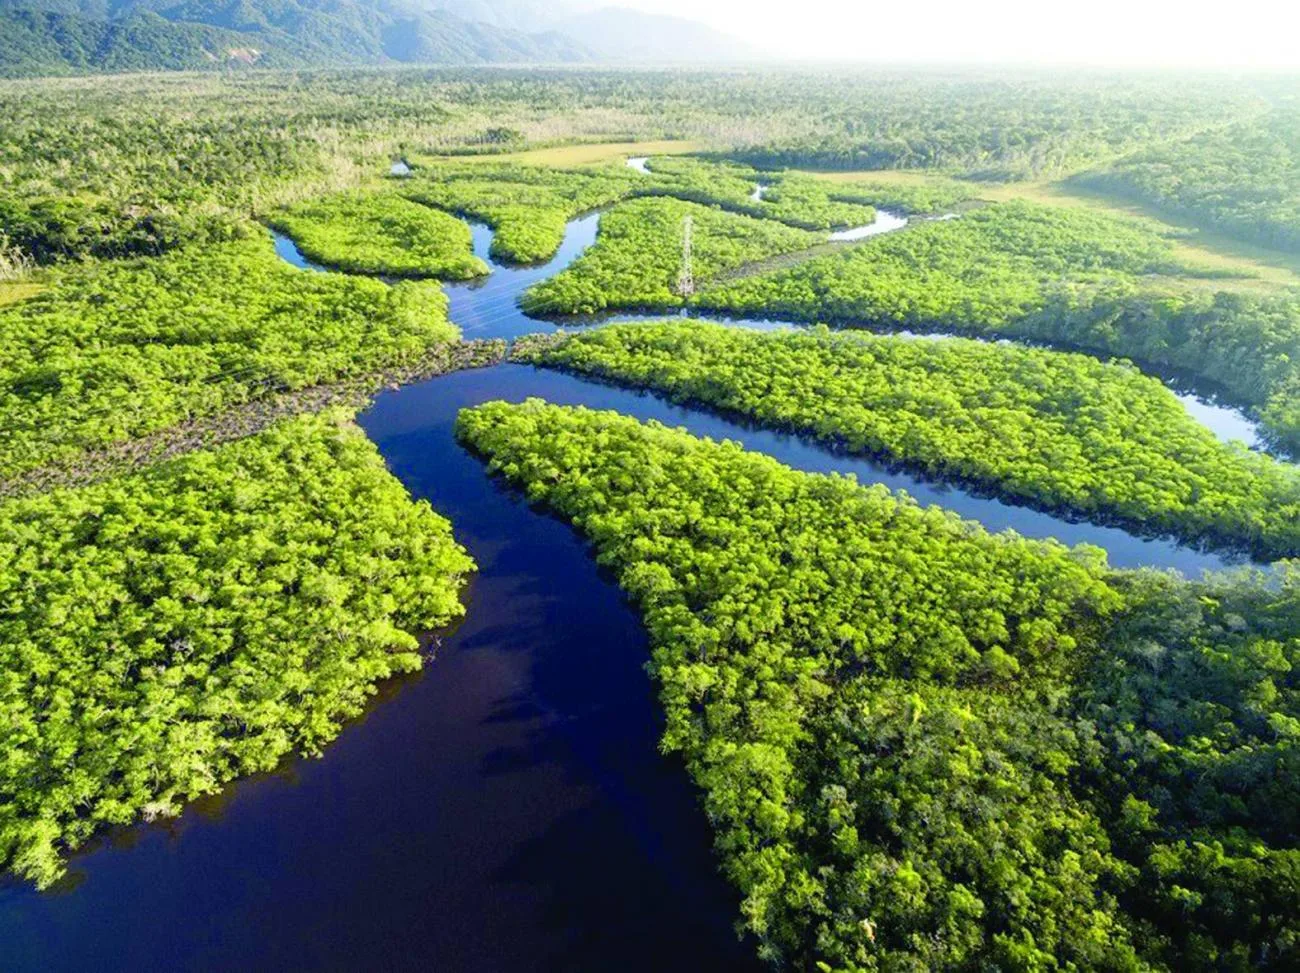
x: 1245, y: 34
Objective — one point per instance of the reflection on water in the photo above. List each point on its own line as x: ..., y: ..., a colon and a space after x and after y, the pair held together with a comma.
x: 288, y: 251
x: 489, y: 307
x: 1229, y: 424
x: 885, y: 222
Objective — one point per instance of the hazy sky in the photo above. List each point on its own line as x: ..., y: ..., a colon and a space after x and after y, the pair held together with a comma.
x: 1231, y: 33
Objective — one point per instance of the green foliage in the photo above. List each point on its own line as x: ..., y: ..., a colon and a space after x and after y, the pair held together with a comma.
x: 57, y: 229
x: 934, y: 196
x: 528, y: 206
x: 114, y: 351
x: 139, y: 35
x: 945, y: 836
x: 1196, y: 699
x: 773, y: 599
x: 174, y: 156
x: 994, y: 126
x: 923, y: 747
x: 164, y: 633
x: 237, y: 140
x: 982, y: 271
x: 790, y: 197
x: 1243, y: 179
x: 1065, y: 276
x: 1247, y: 344
x: 377, y: 233
x: 1059, y: 431
x: 636, y: 261
x: 36, y: 41
x: 934, y: 616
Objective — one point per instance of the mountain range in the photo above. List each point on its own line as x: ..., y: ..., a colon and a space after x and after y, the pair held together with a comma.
x: 82, y: 36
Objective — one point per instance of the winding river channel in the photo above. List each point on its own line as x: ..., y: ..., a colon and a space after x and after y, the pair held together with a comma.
x: 505, y: 809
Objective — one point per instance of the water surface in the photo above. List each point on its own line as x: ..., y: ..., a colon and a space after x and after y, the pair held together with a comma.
x: 288, y: 251
x: 487, y: 307
x: 506, y: 809
x: 885, y: 222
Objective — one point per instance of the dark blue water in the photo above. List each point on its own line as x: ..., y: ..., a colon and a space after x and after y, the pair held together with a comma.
x: 504, y: 810
x: 488, y: 307
x: 507, y: 810
x: 413, y: 409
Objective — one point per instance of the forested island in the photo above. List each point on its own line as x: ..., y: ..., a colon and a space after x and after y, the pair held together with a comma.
x: 369, y: 435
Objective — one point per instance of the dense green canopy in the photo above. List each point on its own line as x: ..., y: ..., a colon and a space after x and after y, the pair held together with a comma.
x: 1055, y: 430
x: 378, y: 233
x: 1066, y: 276
x: 1242, y: 179
x: 981, y: 272
x: 924, y: 747
x: 163, y: 633
x: 117, y: 350
x: 636, y: 261
x: 528, y: 206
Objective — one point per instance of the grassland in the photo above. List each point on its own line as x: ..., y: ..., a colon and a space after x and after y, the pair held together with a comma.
x: 11, y: 292
x: 571, y: 156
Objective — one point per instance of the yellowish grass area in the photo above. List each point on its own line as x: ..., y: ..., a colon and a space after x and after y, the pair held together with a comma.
x: 571, y: 156
x: 904, y: 177
x: 11, y: 292
x: 1205, y: 250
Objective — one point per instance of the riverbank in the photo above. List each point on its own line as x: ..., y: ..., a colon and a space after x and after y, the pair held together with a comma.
x: 246, y: 419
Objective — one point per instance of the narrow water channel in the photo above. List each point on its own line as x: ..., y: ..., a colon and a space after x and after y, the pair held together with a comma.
x: 488, y: 307
x: 885, y: 222
x: 507, y: 808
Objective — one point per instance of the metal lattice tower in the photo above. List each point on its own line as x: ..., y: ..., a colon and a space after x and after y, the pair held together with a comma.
x: 686, y: 279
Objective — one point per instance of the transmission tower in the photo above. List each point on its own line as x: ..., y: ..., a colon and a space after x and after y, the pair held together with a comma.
x: 686, y: 279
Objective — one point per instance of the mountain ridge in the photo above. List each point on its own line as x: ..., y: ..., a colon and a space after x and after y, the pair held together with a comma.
x: 86, y: 36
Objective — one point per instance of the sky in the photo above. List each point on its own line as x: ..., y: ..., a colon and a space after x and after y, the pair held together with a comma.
x: 1129, y: 33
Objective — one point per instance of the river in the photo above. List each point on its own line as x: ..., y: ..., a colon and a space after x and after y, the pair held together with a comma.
x: 507, y: 808
x: 487, y: 307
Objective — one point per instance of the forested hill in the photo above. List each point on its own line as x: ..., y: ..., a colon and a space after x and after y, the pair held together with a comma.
x: 78, y: 36
x: 74, y: 36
